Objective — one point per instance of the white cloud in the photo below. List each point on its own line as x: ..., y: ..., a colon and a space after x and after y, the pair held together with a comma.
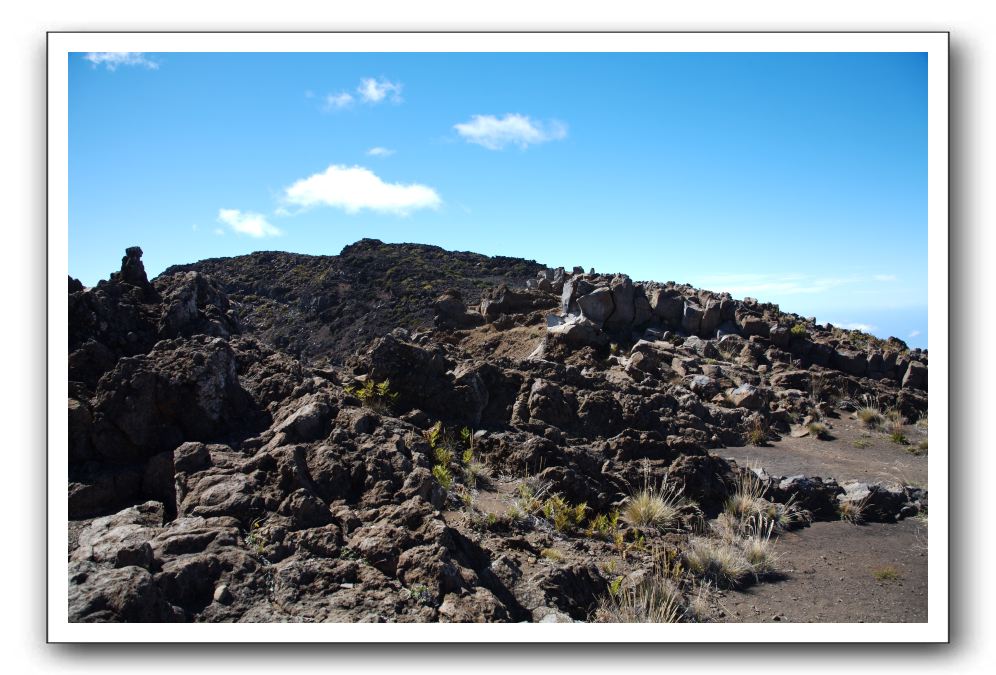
x: 111, y: 60
x: 495, y: 133
x: 354, y: 188
x: 338, y: 101
x: 218, y: 231
x: 884, y: 277
x: 851, y: 325
x: 375, y: 91
x: 914, y: 333
x: 253, y: 224
x: 380, y: 152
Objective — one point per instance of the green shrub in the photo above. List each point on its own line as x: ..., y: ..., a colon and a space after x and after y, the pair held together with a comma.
x: 443, y: 476
x: 798, y: 330
x: 377, y: 396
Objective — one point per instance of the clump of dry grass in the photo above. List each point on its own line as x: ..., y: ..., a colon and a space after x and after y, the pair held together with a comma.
x: 720, y: 562
x: 894, y: 426
x: 853, y: 511
x: 748, y: 493
x: 757, y: 433
x: 653, y: 508
x: 870, y: 417
x: 818, y: 431
x: 656, y: 599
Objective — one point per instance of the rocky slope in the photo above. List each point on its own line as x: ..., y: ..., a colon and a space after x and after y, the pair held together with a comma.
x: 401, y: 433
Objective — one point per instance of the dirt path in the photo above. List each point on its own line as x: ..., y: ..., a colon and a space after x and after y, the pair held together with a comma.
x: 838, y: 572
x: 854, y: 453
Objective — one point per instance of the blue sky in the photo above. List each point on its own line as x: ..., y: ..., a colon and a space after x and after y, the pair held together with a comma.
x: 799, y: 179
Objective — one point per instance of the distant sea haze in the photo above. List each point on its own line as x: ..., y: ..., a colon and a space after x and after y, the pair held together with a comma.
x: 907, y: 324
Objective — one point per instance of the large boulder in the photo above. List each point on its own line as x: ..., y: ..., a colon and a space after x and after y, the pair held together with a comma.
x: 849, y: 361
x: 667, y: 305
x: 182, y: 390
x: 597, y: 306
x: 915, y: 377
x: 193, y: 304
x: 548, y: 404
x: 623, y: 300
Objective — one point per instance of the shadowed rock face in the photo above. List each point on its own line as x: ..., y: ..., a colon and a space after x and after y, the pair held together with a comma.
x: 259, y: 438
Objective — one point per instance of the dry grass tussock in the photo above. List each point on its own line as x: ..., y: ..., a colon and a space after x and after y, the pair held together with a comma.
x: 653, y: 508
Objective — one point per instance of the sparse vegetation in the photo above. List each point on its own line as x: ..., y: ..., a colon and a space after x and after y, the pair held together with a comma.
x: 798, y: 330
x: 564, y: 517
x: 818, y: 430
x: 554, y: 554
x: 895, y: 423
x: 870, y: 417
x: 655, y: 600
x: 861, y: 443
x: 718, y: 561
x: 377, y: 396
x: 886, y: 573
x: 255, y: 541
x: 652, y: 508
x: 757, y: 432
x: 443, y: 476
x: 853, y: 511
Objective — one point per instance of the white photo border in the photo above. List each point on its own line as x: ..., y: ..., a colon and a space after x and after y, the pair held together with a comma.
x: 62, y: 44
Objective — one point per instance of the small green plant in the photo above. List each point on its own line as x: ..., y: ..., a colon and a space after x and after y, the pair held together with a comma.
x: 255, y: 541
x: 443, y: 476
x: 798, y: 330
x: 565, y: 518
x: 886, y: 573
x: 420, y: 593
x: 377, y: 396
x: 861, y: 443
x: 603, y: 526
x: 615, y: 585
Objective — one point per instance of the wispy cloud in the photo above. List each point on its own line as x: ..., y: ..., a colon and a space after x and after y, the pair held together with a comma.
x: 496, y: 133
x: 338, y: 101
x: 376, y: 90
x: 355, y: 188
x: 884, y: 277
x: 252, y: 224
x: 914, y: 333
x: 112, y: 60
x: 762, y: 284
x: 370, y: 90
x: 380, y: 152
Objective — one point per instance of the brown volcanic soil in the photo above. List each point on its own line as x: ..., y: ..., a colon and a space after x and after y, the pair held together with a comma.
x: 883, y: 460
x: 829, y: 576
